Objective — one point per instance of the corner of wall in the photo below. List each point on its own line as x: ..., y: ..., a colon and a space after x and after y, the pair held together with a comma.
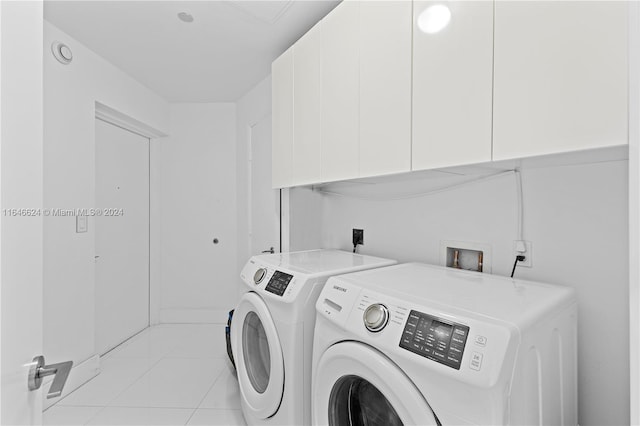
x: 253, y: 106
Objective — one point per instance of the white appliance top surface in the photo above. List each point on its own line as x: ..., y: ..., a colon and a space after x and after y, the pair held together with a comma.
x: 322, y: 262
x: 481, y: 294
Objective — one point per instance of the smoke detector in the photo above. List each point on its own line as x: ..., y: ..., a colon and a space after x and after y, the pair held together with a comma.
x: 61, y: 52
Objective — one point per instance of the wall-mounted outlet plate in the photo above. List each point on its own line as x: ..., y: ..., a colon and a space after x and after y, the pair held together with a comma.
x: 358, y: 236
x: 446, y: 247
x: 528, y: 253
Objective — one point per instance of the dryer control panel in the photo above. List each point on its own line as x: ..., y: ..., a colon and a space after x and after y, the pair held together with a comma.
x: 435, y: 338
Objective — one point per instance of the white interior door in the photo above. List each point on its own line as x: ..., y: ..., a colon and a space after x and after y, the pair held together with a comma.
x: 265, y: 201
x: 21, y: 221
x: 122, y: 235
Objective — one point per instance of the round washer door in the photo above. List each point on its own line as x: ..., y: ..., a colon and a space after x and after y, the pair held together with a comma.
x: 356, y: 385
x: 258, y: 356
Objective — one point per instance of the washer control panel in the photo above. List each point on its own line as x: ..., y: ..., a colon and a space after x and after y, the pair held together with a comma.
x: 435, y: 338
x: 278, y: 283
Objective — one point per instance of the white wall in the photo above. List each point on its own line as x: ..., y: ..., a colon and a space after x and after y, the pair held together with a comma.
x: 197, y: 168
x: 575, y: 216
x: 251, y: 108
x: 70, y: 93
x: 305, y: 220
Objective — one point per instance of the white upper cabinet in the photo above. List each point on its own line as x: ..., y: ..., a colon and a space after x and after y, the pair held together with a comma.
x: 282, y: 120
x: 385, y: 87
x: 307, y: 98
x: 452, y: 83
x: 366, y: 89
x: 340, y: 93
x: 389, y: 86
x: 560, y: 76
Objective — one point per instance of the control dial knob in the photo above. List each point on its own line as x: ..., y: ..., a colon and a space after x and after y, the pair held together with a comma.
x: 259, y: 275
x: 376, y: 317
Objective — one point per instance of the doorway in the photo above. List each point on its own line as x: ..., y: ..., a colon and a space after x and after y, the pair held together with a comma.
x: 122, y: 235
x: 264, y: 201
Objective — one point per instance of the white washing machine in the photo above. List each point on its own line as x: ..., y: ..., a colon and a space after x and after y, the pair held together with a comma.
x: 272, y: 330
x: 416, y: 344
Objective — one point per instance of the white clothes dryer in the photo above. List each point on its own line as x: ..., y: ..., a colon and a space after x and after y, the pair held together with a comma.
x: 272, y: 330
x: 415, y: 344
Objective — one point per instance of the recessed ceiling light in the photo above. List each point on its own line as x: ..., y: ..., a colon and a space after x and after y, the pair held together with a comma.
x: 434, y: 19
x: 185, y: 17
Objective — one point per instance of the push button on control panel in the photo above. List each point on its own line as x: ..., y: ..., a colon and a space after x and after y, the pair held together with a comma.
x: 481, y: 341
x: 476, y: 361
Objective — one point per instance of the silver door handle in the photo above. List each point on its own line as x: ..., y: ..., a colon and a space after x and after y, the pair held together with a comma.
x: 271, y: 250
x: 39, y: 370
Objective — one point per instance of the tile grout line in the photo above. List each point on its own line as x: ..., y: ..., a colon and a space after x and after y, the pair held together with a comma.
x: 95, y: 415
x: 112, y: 355
x: 235, y: 410
x: 152, y: 363
x: 134, y: 382
x: 163, y: 356
x: 191, y: 416
x: 205, y: 395
x: 106, y: 355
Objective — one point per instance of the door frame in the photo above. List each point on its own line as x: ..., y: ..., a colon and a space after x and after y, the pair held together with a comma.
x: 284, y: 196
x: 113, y: 116
x: 634, y: 211
x: 21, y: 180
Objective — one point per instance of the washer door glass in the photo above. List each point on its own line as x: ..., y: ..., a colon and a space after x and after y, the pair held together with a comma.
x: 356, y: 402
x: 255, y: 348
x: 355, y: 384
x: 259, y: 358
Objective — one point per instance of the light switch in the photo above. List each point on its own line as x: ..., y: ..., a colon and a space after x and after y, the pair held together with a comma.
x: 82, y: 224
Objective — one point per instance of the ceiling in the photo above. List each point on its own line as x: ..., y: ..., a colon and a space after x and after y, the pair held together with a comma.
x: 221, y: 55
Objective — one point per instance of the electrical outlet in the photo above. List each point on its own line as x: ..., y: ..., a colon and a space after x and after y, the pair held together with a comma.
x: 358, y: 237
x: 528, y: 253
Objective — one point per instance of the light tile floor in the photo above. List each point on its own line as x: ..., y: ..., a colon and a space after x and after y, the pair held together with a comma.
x: 166, y: 375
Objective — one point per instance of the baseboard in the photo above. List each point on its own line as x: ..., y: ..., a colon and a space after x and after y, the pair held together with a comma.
x: 193, y: 316
x: 80, y: 374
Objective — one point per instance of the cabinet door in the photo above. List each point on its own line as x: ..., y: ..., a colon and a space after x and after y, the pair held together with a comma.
x: 307, y: 106
x: 385, y: 87
x: 282, y: 115
x: 340, y: 94
x: 452, y: 85
x: 560, y: 76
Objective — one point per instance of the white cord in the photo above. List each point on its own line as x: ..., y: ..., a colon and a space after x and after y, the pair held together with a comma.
x: 520, y: 232
x: 520, y: 245
x: 420, y: 194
